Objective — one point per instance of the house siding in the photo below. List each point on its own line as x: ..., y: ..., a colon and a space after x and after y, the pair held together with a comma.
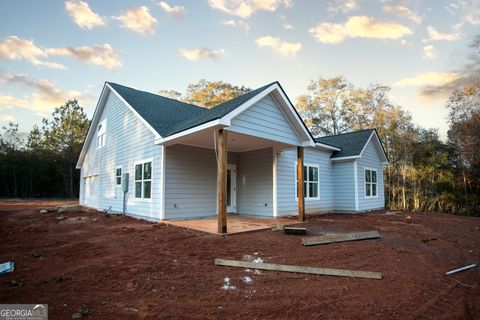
x: 191, y: 182
x: 344, y: 186
x: 370, y: 159
x: 287, y: 203
x: 128, y: 140
x: 265, y: 120
x: 255, y: 183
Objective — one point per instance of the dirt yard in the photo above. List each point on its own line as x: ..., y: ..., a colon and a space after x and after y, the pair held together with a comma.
x: 115, y: 267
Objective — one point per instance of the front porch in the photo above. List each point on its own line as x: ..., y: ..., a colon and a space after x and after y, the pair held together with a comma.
x: 236, y: 224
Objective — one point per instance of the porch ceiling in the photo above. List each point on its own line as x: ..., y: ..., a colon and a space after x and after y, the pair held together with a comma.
x: 237, y: 142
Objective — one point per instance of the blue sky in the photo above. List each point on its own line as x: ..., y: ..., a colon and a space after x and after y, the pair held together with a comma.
x: 53, y: 50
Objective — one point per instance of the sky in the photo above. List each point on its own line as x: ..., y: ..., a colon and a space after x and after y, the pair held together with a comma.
x: 51, y: 51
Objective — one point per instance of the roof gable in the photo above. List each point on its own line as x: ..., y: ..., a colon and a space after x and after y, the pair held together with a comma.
x: 351, y: 144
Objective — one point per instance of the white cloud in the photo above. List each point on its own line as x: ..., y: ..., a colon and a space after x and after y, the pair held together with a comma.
x: 178, y: 12
x: 200, y: 53
x: 358, y: 27
x: 468, y: 11
x: 237, y: 23
x: 280, y: 47
x: 6, y: 117
x: 139, y: 20
x: 429, y: 52
x: 434, y: 35
x: 45, y: 97
x: 428, y: 78
x: 245, y: 8
x: 403, y: 11
x: 287, y: 26
x: 83, y: 16
x: 102, y: 55
x: 343, y: 6
x: 14, y: 48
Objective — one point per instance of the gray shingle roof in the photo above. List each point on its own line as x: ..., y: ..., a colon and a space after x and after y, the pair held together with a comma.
x: 168, y: 116
x: 351, y: 143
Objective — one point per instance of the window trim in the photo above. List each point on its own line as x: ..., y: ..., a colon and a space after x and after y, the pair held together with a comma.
x: 121, y: 176
x: 142, y: 199
x: 371, y: 183
x: 307, y: 164
x: 102, y: 134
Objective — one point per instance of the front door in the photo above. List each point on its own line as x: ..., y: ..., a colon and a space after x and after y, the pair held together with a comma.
x: 231, y: 188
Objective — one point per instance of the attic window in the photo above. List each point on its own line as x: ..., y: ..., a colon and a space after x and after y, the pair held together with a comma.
x: 101, y: 132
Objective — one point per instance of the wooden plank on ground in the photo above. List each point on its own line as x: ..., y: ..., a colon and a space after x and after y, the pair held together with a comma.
x: 295, y: 230
x: 331, y: 238
x: 299, y: 269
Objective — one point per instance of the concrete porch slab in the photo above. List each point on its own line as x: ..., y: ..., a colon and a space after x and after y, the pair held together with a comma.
x: 235, y: 223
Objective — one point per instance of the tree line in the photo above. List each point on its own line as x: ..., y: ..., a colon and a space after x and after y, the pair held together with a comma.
x: 424, y: 173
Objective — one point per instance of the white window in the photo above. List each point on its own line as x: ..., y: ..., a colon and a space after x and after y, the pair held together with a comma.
x: 118, y: 176
x: 143, y: 180
x: 101, y: 132
x: 310, y: 182
x: 370, y: 183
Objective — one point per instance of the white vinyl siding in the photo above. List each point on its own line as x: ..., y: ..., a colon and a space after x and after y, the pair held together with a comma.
x: 370, y: 160
x: 265, y: 120
x: 127, y: 141
x: 344, y: 186
x: 287, y: 202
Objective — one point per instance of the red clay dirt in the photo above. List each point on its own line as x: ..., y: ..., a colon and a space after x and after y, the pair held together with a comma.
x: 117, y: 267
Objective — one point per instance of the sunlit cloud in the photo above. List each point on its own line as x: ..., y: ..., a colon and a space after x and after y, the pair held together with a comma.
x: 83, y: 16
x: 436, y: 85
x: 403, y: 11
x: 139, y: 20
x: 237, y: 23
x: 358, y: 27
x: 15, y: 48
x: 200, y: 53
x: 429, y: 52
x: 434, y: 35
x: 245, y: 8
x: 46, y: 95
x: 280, y: 47
x: 343, y: 6
x: 102, y: 55
x: 177, y: 12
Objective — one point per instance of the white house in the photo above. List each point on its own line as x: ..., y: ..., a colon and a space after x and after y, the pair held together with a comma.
x: 242, y: 157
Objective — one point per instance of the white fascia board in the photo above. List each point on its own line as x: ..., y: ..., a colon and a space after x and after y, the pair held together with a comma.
x: 345, y: 158
x: 210, y: 124
x: 155, y: 133
x: 93, y: 125
x: 326, y: 146
x: 355, y: 179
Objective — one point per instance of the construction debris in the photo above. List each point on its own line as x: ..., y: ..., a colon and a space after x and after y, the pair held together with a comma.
x: 299, y: 231
x: 6, y: 267
x: 299, y: 269
x: 430, y: 239
x: 36, y: 254
x: 16, y: 283
x: 73, y: 208
x: 470, y: 266
x: 332, y: 238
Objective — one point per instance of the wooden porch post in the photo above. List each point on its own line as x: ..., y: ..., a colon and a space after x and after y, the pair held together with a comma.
x: 301, y: 196
x: 222, y: 181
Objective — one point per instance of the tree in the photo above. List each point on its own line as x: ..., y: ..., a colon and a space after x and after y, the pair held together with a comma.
x: 209, y: 94
x: 330, y: 106
x: 64, y: 135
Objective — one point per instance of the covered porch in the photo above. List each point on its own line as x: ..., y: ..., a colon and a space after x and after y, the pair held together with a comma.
x: 224, y: 182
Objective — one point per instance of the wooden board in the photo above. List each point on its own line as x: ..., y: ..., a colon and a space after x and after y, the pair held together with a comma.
x: 299, y: 269
x: 295, y: 230
x: 332, y: 238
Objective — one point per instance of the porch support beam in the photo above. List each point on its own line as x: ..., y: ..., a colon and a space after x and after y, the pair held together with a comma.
x: 222, y: 181
x: 301, y: 196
